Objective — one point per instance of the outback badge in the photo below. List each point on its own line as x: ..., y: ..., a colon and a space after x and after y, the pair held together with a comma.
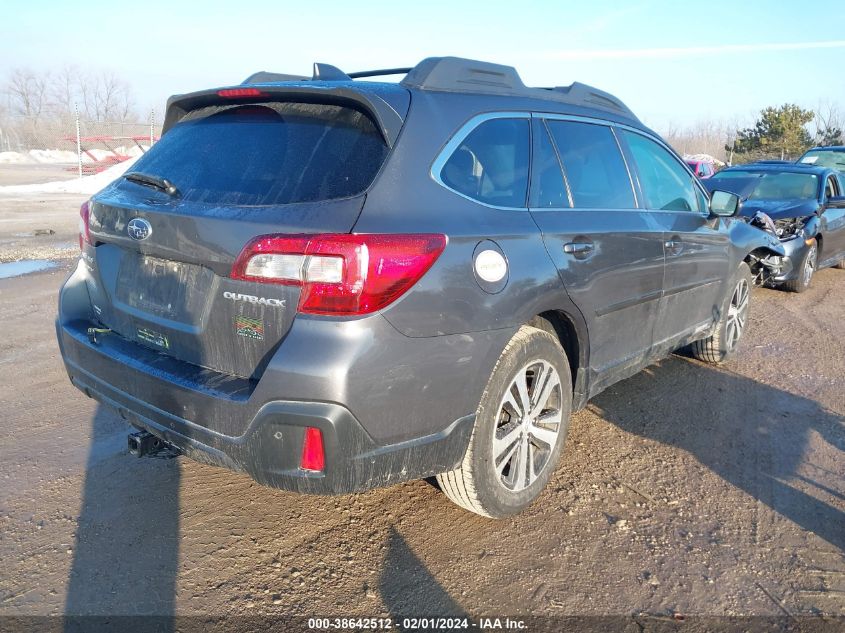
x: 139, y: 229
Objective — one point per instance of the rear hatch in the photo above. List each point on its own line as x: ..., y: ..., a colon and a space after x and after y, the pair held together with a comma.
x: 165, y: 236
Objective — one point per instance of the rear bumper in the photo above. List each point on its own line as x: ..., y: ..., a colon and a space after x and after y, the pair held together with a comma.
x: 269, y: 450
x: 391, y: 407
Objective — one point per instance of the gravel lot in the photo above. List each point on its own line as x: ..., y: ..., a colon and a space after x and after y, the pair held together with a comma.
x: 685, y: 490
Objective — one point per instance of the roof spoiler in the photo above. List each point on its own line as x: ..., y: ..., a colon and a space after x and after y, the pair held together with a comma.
x: 387, y: 120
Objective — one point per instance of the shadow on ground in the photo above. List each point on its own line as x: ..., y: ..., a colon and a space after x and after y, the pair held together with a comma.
x: 754, y: 436
x: 408, y: 588
x: 126, y: 553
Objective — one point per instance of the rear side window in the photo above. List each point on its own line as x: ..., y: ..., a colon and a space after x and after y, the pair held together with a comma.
x: 593, y: 165
x: 491, y: 163
x: 666, y: 184
x: 276, y: 153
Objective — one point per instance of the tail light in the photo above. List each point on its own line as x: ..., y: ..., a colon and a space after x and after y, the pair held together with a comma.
x: 84, y: 225
x: 313, y: 455
x: 341, y: 274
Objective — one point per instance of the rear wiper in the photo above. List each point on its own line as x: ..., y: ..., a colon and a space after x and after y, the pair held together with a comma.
x: 162, y: 184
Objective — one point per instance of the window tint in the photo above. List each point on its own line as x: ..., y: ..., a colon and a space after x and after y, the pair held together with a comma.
x: 593, y: 165
x: 271, y: 154
x: 666, y: 184
x: 549, y: 190
x: 491, y: 164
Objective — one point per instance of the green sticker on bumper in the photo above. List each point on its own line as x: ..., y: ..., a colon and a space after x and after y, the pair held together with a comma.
x: 250, y: 328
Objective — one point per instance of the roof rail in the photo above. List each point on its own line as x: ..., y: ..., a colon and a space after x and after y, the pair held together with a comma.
x: 578, y: 92
x: 380, y: 73
x: 456, y: 74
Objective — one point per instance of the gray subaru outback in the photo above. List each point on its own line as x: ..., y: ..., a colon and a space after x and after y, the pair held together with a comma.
x: 334, y: 284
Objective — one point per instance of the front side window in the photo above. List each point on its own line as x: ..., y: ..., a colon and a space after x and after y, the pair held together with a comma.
x: 491, y: 163
x: 593, y: 165
x: 666, y: 184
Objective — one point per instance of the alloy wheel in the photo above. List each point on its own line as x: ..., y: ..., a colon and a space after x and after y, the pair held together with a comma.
x: 737, y: 313
x: 528, y: 425
x: 810, y: 265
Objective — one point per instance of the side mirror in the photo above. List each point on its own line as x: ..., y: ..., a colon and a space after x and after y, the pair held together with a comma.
x: 725, y: 204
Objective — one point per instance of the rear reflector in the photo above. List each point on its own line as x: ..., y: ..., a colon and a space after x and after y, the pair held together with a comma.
x: 341, y: 274
x: 235, y: 93
x: 313, y: 455
x: 84, y: 225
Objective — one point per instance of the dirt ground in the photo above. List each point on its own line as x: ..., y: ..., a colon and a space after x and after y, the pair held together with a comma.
x: 684, y: 491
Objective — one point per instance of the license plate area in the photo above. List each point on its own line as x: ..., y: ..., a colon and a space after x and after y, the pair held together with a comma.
x: 164, y: 288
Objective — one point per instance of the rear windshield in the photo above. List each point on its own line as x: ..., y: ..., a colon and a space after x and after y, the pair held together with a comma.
x: 825, y: 158
x: 773, y: 185
x: 271, y: 154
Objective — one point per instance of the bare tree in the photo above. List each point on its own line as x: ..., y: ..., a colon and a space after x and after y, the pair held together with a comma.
x: 828, y: 123
x: 702, y: 137
x: 106, y: 97
x: 27, y: 91
x: 64, y: 94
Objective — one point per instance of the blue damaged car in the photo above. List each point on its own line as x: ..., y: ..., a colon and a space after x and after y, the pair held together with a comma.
x: 806, y: 205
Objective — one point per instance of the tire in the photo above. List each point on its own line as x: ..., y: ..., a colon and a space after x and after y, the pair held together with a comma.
x: 806, y: 270
x: 494, y: 479
x: 722, y: 344
x: 841, y: 264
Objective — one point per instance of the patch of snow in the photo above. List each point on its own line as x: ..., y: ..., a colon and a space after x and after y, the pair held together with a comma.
x: 65, y: 156
x: 14, y: 158
x: 55, y: 156
x: 88, y: 184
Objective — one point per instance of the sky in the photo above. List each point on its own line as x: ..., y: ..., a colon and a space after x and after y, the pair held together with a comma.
x: 672, y: 63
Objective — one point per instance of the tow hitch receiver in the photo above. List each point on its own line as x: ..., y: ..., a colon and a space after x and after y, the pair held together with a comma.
x: 142, y: 443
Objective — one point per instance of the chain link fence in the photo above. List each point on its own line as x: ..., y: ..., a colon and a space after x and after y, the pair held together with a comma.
x: 70, y: 140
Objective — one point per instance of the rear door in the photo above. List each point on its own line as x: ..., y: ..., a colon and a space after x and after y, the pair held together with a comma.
x: 609, y: 253
x: 164, y: 258
x: 696, y: 246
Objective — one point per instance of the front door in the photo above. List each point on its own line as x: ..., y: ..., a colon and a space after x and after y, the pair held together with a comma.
x: 697, y: 247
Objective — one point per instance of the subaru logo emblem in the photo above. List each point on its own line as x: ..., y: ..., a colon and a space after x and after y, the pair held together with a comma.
x: 139, y: 229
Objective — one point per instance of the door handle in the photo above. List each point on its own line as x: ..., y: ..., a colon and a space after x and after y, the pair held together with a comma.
x: 578, y: 248
x: 673, y: 248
